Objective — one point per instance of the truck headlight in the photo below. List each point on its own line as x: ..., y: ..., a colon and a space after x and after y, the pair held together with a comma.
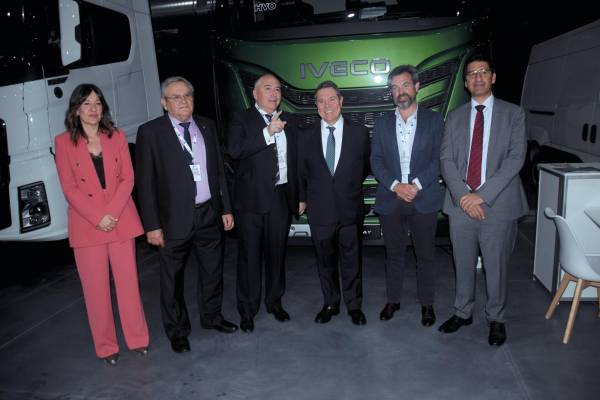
x: 33, y: 207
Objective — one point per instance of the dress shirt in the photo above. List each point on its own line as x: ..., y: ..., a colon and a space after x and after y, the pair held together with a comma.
x: 199, y: 152
x: 487, y: 123
x: 405, y: 137
x: 280, y: 140
x: 338, y: 134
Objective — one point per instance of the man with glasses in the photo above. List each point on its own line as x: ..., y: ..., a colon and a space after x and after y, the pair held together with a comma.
x: 482, y: 152
x: 184, y: 204
x: 405, y: 160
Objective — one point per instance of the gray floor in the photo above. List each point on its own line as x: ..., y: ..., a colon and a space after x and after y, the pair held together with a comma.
x: 46, y: 350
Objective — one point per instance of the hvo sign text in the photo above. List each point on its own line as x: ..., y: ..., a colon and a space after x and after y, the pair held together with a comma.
x: 376, y: 66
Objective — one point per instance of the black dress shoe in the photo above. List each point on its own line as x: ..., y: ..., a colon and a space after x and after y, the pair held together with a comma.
x: 222, y: 326
x: 112, y: 359
x: 427, y: 316
x: 454, y: 323
x: 324, y: 316
x: 280, y: 314
x: 180, y: 345
x: 497, y: 334
x: 358, y: 317
x: 388, y: 311
x: 247, y: 324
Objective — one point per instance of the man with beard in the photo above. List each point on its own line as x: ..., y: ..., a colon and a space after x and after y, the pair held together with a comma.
x: 405, y: 160
x: 482, y: 153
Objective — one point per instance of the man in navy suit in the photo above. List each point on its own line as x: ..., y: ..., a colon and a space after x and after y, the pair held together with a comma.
x: 333, y: 161
x: 405, y: 160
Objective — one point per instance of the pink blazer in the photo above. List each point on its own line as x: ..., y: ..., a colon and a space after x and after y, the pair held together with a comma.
x: 88, y: 202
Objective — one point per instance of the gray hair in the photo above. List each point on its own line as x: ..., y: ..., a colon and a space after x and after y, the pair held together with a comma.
x: 173, y: 79
x: 262, y: 76
x: 328, y: 84
x: 401, y: 69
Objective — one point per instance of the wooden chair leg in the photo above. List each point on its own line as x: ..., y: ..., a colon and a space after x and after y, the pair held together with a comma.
x: 573, y: 313
x: 564, y: 282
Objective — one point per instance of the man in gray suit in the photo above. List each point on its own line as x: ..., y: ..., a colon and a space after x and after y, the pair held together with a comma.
x: 482, y: 152
x: 405, y: 160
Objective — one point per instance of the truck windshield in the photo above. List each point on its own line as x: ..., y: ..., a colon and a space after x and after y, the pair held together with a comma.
x: 30, y: 48
x: 255, y: 18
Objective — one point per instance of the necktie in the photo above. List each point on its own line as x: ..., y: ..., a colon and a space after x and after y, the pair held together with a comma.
x: 186, y: 133
x: 474, y: 168
x: 330, y: 150
x: 269, y: 117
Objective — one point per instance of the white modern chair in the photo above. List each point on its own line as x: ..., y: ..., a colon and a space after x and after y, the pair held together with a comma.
x: 578, y: 266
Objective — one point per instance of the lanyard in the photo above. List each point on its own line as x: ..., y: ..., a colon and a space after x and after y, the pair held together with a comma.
x: 183, y: 143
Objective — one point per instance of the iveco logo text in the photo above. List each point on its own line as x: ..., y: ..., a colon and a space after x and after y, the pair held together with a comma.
x: 376, y: 66
x: 262, y: 7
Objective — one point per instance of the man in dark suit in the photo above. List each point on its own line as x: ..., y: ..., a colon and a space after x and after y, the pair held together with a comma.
x: 405, y: 161
x: 184, y: 204
x: 482, y: 151
x: 261, y: 142
x: 333, y: 162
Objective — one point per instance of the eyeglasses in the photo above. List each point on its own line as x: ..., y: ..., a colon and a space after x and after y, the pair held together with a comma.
x: 405, y: 85
x: 180, y: 98
x: 483, y: 72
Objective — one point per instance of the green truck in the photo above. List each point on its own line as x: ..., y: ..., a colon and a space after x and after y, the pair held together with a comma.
x: 355, y: 48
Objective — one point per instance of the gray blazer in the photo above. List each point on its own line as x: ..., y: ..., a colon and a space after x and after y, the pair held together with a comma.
x: 424, y: 161
x: 502, y: 191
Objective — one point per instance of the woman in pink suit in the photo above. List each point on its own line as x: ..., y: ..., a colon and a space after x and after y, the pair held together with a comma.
x: 96, y: 175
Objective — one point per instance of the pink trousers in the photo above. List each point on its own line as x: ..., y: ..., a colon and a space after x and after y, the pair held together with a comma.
x: 94, y: 272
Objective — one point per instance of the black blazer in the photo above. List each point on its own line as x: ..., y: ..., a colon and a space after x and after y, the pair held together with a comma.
x: 164, y: 182
x: 337, y: 199
x: 255, y: 163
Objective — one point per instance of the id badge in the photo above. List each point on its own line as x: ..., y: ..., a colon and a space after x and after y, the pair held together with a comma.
x: 196, y: 172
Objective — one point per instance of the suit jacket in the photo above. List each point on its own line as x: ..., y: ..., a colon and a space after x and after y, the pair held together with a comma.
x: 87, y: 202
x: 338, y: 198
x: 165, y: 184
x: 424, y: 161
x: 502, y: 191
x: 255, y: 162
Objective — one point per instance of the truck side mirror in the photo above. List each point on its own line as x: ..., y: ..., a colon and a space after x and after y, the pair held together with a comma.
x: 70, y: 46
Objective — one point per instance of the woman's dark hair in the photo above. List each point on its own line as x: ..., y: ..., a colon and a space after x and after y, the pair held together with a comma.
x: 72, y: 121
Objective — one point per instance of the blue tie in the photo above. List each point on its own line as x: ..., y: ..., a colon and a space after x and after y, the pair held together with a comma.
x: 186, y: 132
x: 330, y: 150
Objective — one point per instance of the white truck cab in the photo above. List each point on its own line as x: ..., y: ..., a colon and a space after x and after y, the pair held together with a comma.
x: 55, y: 45
x: 561, y: 96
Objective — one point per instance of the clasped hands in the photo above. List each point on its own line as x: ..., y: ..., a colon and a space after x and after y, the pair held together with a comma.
x: 471, y: 204
x: 107, y: 223
x: 406, y: 191
x: 276, y: 124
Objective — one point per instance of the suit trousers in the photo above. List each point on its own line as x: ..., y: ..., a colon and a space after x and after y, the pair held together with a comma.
x: 94, y: 271
x: 422, y: 228
x: 262, y: 236
x: 333, y: 244
x: 205, y: 241
x: 495, y: 238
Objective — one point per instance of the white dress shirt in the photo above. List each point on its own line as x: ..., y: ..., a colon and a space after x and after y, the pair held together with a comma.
x: 338, y: 133
x: 487, y: 123
x: 280, y: 140
x: 405, y: 136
